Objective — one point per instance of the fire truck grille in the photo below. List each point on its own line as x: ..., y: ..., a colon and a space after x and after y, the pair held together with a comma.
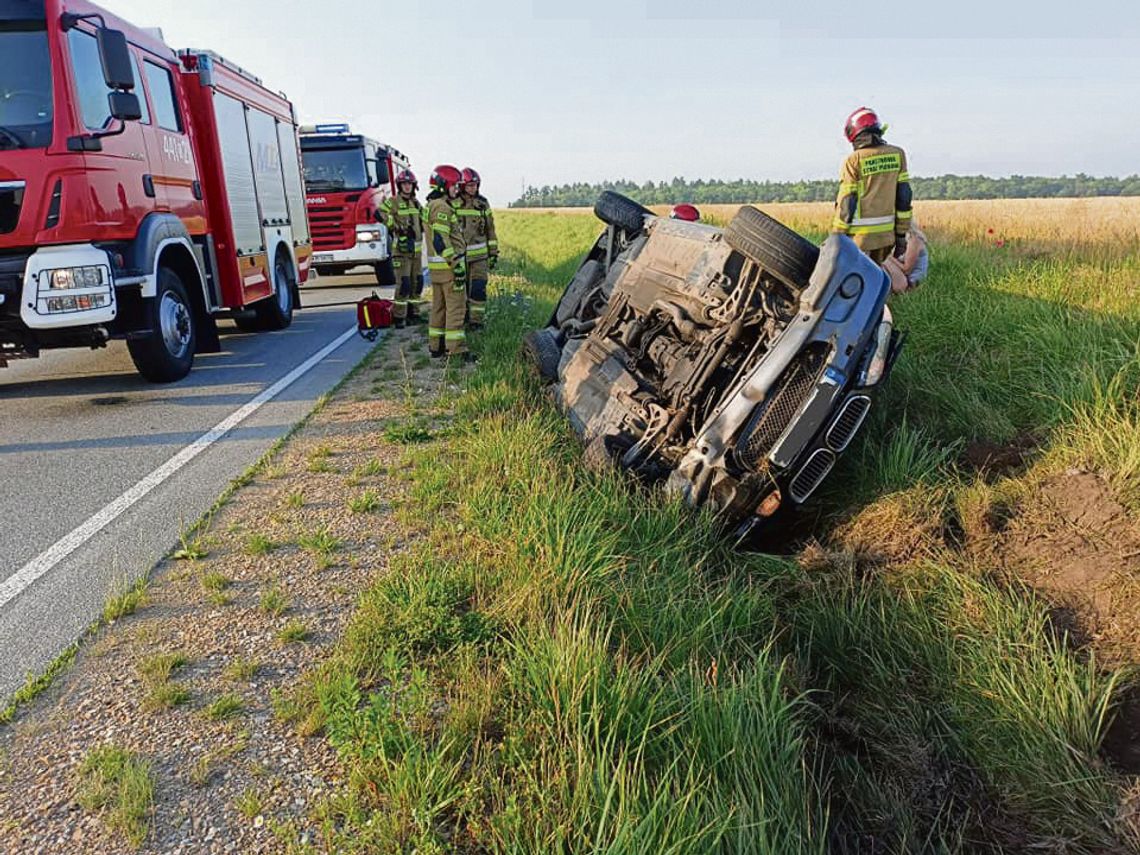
x: 12, y: 280
x: 331, y: 226
x: 11, y: 200
x: 773, y: 416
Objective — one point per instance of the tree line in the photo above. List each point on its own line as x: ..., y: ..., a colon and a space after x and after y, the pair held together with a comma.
x: 700, y: 191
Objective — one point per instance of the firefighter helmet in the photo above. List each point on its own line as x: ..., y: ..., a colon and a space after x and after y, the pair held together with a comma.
x: 406, y: 176
x: 685, y: 212
x: 444, y: 177
x: 470, y: 176
x: 863, y: 119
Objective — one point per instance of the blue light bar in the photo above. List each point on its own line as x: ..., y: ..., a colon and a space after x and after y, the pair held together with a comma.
x: 332, y: 129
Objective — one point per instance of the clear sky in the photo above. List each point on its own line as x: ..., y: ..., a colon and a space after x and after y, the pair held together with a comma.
x: 585, y: 90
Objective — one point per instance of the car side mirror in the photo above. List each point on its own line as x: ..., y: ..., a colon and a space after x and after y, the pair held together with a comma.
x: 115, y: 55
x: 124, y: 106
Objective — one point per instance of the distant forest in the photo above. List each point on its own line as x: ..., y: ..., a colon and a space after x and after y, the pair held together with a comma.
x: 727, y: 192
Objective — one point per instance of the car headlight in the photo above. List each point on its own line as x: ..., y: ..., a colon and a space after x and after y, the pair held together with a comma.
x: 76, y: 277
x: 873, y: 373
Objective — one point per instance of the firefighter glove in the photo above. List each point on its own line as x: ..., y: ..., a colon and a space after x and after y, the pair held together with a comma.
x: 405, y: 244
x: 460, y: 268
x: 900, y: 246
x: 493, y: 261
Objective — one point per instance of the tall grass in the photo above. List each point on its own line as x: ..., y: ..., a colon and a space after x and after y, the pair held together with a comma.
x: 572, y: 663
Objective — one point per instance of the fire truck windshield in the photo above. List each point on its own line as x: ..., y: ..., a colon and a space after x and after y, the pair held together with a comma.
x: 25, y: 84
x: 332, y: 169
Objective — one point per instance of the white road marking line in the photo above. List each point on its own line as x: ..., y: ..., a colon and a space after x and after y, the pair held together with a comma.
x: 15, y: 584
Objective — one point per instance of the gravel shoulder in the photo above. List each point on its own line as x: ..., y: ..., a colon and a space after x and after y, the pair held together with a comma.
x: 192, y: 682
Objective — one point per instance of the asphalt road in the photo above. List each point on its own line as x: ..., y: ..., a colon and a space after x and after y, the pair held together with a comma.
x: 82, y: 435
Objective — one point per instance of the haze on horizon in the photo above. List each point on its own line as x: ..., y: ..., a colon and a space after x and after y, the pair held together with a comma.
x: 551, y: 93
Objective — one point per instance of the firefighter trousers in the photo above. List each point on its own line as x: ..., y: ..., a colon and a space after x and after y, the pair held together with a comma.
x: 477, y: 272
x: 881, y: 254
x: 448, y: 312
x: 407, y: 268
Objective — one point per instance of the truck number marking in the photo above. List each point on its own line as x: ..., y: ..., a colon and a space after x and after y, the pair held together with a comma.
x: 177, y: 149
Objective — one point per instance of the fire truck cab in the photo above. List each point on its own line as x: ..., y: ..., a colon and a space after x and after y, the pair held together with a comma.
x: 143, y: 193
x: 347, y: 177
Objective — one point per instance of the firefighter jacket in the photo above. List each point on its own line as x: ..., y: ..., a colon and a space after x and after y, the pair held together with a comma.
x: 405, y: 221
x: 874, y: 204
x: 478, y: 226
x: 446, y: 246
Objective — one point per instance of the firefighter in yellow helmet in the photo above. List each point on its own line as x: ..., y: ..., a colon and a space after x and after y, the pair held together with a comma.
x: 403, y: 214
x: 447, y: 266
x: 478, y: 224
x: 874, y: 204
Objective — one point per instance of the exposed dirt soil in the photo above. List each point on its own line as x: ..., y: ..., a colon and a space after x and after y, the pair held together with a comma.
x: 998, y: 460
x: 1075, y: 544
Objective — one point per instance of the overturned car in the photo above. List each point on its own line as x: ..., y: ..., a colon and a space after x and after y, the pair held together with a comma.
x: 733, y: 364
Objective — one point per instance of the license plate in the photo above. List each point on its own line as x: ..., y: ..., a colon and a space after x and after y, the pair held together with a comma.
x: 322, y: 258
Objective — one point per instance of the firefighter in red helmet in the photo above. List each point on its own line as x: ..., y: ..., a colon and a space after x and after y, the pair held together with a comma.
x: 478, y: 223
x: 403, y: 214
x: 688, y: 213
x: 447, y: 266
x: 874, y: 203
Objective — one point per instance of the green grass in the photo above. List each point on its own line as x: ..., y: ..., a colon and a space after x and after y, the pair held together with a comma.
x: 241, y: 669
x: 120, y: 786
x: 259, y: 544
x: 367, y: 502
x: 161, y: 666
x: 224, y: 707
x: 274, y: 601
x: 126, y: 602
x: 570, y: 662
x: 165, y: 696
x: 320, y: 542
x: 294, y: 632
x: 36, y: 684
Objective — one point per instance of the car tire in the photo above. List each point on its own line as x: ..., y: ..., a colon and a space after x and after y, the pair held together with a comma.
x: 386, y: 274
x: 167, y: 353
x: 541, y: 347
x: 604, y: 453
x: 622, y: 212
x: 585, y: 279
x: 785, y: 254
x: 276, y: 312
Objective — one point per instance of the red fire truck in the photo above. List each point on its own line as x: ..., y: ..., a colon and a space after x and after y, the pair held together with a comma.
x: 347, y: 176
x: 143, y: 193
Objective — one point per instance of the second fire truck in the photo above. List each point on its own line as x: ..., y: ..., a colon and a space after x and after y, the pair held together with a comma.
x: 347, y: 177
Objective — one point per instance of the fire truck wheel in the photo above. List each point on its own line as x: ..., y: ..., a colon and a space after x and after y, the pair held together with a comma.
x: 386, y: 274
x: 276, y: 313
x: 167, y: 353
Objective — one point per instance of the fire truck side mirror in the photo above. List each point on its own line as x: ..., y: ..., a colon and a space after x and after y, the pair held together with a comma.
x: 118, y: 72
x: 124, y: 106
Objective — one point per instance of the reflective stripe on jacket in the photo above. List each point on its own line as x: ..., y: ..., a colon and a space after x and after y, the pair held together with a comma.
x: 874, y: 202
x: 404, y: 218
x: 446, y: 244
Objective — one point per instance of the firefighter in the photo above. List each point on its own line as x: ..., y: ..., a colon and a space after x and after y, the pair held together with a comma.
x: 403, y: 214
x: 482, y: 244
x: 874, y: 204
x: 447, y: 266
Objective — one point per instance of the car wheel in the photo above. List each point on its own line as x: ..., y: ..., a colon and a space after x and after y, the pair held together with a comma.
x: 584, y: 280
x: 782, y: 252
x: 541, y: 347
x: 167, y: 354
x: 604, y: 453
x: 622, y: 212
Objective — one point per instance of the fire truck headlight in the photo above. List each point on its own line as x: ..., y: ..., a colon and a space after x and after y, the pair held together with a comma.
x: 76, y: 277
x: 367, y: 237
